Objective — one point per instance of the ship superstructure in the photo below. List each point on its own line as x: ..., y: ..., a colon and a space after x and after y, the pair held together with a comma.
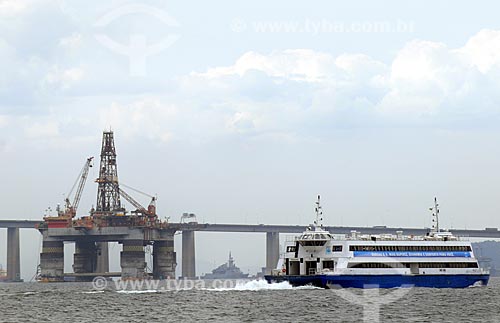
x: 228, y: 270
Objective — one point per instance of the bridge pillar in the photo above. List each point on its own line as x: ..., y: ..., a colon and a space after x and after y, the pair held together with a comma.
x: 85, y: 258
x: 164, y: 257
x: 13, y: 259
x: 102, y: 257
x: 133, y: 259
x: 52, y: 260
x: 188, y: 255
x: 272, y: 250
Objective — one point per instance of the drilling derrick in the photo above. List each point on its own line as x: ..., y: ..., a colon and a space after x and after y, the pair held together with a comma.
x: 108, y: 191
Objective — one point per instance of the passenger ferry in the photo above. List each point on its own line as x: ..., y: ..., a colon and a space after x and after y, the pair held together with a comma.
x: 438, y: 259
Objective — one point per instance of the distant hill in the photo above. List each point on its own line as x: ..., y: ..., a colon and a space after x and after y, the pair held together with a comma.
x: 488, y: 254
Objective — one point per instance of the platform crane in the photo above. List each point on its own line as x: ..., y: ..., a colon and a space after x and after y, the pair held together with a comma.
x: 70, y: 208
x: 149, y: 211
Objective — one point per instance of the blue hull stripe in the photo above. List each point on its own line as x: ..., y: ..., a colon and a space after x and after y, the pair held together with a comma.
x: 382, y: 281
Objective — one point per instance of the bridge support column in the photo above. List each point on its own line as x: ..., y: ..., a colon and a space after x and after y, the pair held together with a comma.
x: 164, y: 257
x: 188, y: 255
x: 85, y: 258
x: 102, y: 257
x: 52, y: 260
x: 272, y: 250
x: 13, y: 258
x: 132, y: 259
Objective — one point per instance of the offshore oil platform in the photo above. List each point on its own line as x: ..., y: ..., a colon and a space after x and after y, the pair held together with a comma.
x: 107, y: 222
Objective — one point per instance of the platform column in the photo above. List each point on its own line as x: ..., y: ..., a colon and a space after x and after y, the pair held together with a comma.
x: 102, y: 257
x: 52, y: 260
x: 272, y: 250
x: 85, y: 258
x: 13, y: 258
x: 188, y: 255
x: 132, y: 259
x: 164, y: 258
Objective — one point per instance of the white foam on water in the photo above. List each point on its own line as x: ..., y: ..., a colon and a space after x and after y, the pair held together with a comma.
x: 137, y: 291
x: 261, y: 284
x: 30, y: 293
x: 477, y: 284
x: 93, y: 292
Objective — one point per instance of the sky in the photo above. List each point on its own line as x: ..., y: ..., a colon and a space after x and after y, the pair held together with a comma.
x: 244, y: 112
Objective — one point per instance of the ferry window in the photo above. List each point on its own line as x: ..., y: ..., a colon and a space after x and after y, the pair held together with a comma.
x: 448, y: 265
x: 290, y: 249
x: 376, y: 265
x: 336, y: 248
x: 313, y: 243
x: 328, y: 264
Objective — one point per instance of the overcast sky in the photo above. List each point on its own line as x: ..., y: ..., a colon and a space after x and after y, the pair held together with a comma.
x: 242, y: 113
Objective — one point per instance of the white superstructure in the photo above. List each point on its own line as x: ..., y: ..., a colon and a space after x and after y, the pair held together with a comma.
x: 316, y: 251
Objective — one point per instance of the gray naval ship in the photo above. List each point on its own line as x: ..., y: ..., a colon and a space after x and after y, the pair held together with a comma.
x: 226, y: 271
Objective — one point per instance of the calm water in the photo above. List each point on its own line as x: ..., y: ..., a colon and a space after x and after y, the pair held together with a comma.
x: 250, y: 302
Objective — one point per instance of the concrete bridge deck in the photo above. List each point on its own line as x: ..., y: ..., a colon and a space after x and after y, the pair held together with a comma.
x: 264, y: 228
x: 188, y: 238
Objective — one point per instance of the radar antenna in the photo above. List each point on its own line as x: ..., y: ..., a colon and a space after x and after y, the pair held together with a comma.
x: 319, y: 214
x: 435, y: 216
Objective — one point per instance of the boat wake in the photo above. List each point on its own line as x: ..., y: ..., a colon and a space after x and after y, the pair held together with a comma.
x: 477, y: 284
x: 147, y: 291
x: 259, y: 285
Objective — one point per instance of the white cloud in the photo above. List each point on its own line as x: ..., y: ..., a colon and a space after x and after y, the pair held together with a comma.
x: 241, y: 122
x: 72, y: 42
x: 295, y: 64
x: 148, y: 117
x: 426, y: 82
x: 483, y: 50
x: 3, y: 121
x: 64, y: 78
x: 14, y: 7
x: 40, y: 130
x: 284, y: 94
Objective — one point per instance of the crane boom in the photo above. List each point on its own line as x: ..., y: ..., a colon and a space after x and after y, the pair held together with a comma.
x: 131, y: 200
x: 151, y: 210
x: 81, y: 185
x: 71, y: 207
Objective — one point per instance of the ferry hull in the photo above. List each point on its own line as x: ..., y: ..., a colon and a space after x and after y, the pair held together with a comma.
x: 383, y: 281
